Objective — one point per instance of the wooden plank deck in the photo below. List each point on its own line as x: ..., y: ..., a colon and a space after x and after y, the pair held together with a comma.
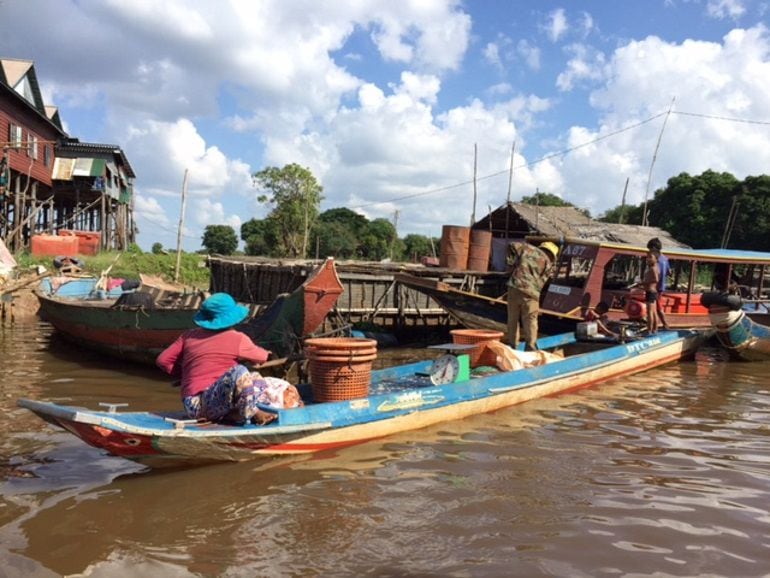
x: 372, y: 295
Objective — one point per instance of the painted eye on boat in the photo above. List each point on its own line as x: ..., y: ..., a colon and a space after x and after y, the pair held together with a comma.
x: 133, y: 441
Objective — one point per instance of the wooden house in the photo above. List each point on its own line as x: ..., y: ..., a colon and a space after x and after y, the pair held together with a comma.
x: 94, y: 186
x: 29, y: 131
x: 51, y: 183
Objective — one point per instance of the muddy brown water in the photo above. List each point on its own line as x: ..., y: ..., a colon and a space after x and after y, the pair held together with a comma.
x: 662, y: 474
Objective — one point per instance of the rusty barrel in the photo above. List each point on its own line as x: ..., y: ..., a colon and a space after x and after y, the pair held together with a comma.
x: 454, y: 247
x: 479, y: 250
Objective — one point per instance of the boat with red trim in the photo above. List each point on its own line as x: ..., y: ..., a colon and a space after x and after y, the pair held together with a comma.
x: 398, y: 399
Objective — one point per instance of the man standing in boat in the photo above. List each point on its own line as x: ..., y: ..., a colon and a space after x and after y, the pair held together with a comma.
x: 655, y: 246
x: 531, y: 267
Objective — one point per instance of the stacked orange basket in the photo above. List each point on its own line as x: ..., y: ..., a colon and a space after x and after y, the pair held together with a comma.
x: 340, y: 367
x: 478, y: 337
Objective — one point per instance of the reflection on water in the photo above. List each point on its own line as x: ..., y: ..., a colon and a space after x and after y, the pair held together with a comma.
x: 663, y: 473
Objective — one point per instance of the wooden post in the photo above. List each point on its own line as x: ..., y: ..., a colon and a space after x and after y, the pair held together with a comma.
x: 623, y: 203
x: 652, y: 163
x: 179, y: 230
x: 475, y: 162
x: 508, y: 198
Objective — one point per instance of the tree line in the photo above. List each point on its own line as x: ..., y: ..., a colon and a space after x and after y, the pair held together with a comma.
x: 296, y: 228
x: 705, y: 211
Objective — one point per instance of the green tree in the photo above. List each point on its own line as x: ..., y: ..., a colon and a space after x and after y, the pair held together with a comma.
x: 220, y: 239
x: 550, y: 200
x: 350, y: 219
x: 416, y: 246
x: 695, y: 208
x: 261, y: 237
x: 296, y: 197
x: 751, y: 229
x: 546, y: 200
x: 631, y: 214
x: 157, y: 249
x: 337, y: 233
x: 334, y: 239
x: 377, y: 240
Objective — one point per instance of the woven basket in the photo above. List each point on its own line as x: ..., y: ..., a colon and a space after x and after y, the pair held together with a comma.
x: 478, y: 355
x: 340, y: 367
x: 345, y: 343
x: 337, y: 382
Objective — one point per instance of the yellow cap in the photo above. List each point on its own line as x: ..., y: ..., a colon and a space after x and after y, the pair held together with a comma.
x: 551, y: 248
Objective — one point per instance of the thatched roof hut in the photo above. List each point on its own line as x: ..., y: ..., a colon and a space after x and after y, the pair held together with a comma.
x: 517, y: 220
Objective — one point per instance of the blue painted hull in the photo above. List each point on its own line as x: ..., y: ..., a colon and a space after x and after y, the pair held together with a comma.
x: 401, y: 398
x: 741, y: 336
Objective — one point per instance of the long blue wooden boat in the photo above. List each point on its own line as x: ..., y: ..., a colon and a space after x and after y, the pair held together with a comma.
x: 400, y: 398
x: 741, y: 335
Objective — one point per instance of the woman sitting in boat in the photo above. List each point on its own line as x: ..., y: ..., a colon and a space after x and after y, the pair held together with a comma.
x: 215, y: 385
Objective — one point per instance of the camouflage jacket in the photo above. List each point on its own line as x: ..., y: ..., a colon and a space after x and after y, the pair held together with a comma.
x: 530, y: 268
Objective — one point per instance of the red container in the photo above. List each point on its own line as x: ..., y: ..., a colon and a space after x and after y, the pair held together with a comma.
x: 54, y: 245
x: 89, y: 241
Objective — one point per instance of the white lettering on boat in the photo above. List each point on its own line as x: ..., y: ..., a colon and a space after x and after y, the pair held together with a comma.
x: 409, y: 400
x: 575, y: 250
x: 359, y: 404
x: 639, y: 346
x: 558, y: 289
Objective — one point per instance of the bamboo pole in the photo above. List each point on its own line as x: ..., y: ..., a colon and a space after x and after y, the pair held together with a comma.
x: 475, y: 164
x: 508, y: 198
x: 179, y: 230
x: 652, y: 163
x: 623, y: 203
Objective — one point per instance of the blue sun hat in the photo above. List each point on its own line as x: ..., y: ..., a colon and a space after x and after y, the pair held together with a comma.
x: 220, y: 311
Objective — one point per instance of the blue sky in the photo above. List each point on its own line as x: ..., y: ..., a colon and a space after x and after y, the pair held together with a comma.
x: 384, y: 100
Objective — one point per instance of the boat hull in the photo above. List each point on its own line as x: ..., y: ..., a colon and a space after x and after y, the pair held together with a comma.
x: 401, y: 399
x: 741, y: 336
x: 139, y: 335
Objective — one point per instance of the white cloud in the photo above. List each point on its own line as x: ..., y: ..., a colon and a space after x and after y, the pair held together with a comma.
x: 733, y: 9
x: 727, y: 79
x: 530, y: 54
x: 557, y: 24
x: 586, y: 23
x: 492, y: 54
x: 586, y: 63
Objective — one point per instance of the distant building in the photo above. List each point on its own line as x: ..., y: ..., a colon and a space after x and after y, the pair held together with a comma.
x: 94, y: 187
x: 50, y: 182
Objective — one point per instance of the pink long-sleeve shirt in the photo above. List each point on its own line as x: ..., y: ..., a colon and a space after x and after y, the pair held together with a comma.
x: 200, y: 357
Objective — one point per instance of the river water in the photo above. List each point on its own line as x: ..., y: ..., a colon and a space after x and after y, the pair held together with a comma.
x: 666, y: 473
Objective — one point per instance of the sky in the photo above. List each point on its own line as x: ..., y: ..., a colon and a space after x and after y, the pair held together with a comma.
x: 423, y: 112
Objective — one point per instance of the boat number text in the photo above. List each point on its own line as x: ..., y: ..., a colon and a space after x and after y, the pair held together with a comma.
x: 558, y: 289
x: 639, y: 346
